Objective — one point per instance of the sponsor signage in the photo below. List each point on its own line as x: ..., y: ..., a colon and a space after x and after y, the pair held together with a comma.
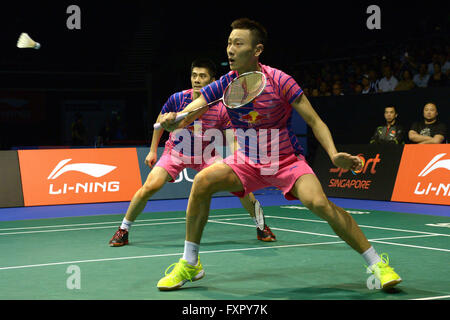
x: 70, y: 176
x: 374, y: 182
x: 424, y: 175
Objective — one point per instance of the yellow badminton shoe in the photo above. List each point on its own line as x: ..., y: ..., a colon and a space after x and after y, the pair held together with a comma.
x: 384, y: 273
x: 180, y: 274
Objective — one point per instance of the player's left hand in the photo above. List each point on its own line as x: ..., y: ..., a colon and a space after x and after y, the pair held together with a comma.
x: 347, y: 161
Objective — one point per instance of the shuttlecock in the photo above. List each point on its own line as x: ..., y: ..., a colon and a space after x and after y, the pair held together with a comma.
x: 26, y: 42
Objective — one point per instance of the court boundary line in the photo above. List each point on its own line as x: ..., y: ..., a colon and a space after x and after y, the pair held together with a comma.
x: 202, y: 252
x: 110, y: 222
x: 137, y: 224
x: 432, y: 298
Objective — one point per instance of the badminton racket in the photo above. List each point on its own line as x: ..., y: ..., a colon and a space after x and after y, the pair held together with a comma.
x: 259, y: 216
x: 238, y: 93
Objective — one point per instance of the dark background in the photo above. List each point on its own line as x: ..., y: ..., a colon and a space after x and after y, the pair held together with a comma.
x: 130, y: 56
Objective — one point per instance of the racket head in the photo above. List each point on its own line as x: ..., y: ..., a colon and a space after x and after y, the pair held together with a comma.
x: 244, y: 89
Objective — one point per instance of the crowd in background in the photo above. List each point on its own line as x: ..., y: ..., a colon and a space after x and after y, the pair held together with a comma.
x: 403, y: 68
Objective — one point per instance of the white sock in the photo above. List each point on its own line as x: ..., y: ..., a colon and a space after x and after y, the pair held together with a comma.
x: 126, y: 225
x: 371, y: 256
x: 191, y: 250
x: 254, y: 220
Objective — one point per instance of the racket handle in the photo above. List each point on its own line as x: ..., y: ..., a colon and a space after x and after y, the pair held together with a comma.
x: 179, y: 117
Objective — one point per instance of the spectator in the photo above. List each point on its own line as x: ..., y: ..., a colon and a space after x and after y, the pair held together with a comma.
x: 434, y: 59
x: 430, y: 130
x: 323, y: 89
x: 445, y: 63
x: 367, y: 86
x: 315, y: 92
x: 79, y: 137
x: 358, y: 88
x: 408, y: 63
x: 336, y: 89
x: 421, y: 79
x: 406, y: 82
x: 390, y: 133
x: 388, y: 82
x: 438, y: 79
x: 373, y: 79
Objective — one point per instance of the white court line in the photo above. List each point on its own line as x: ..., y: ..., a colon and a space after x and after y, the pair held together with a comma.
x: 110, y: 222
x: 202, y: 252
x: 96, y: 223
x: 93, y: 228
x: 166, y: 255
x: 364, y: 226
x: 432, y: 298
x: 425, y: 234
x: 335, y: 236
x: 411, y: 246
x: 273, y: 228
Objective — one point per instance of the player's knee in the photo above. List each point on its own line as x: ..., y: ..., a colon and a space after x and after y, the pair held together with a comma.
x: 319, y: 205
x: 202, y: 184
x: 150, y: 187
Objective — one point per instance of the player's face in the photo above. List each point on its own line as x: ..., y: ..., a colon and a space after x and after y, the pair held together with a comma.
x: 199, y: 78
x: 242, y: 53
x: 390, y: 114
x: 430, y: 112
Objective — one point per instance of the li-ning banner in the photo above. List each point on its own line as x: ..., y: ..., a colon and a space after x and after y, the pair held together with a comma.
x: 68, y: 176
x: 375, y: 181
x: 424, y: 175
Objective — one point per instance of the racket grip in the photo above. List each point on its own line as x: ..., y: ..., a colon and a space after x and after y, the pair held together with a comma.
x: 179, y: 117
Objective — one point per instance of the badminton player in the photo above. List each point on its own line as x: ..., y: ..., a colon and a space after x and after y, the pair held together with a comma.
x: 294, y: 177
x: 172, y: 163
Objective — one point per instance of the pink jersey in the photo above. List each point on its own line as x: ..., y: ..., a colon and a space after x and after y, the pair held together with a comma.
x: 263, y: 126
x: 215, y: 118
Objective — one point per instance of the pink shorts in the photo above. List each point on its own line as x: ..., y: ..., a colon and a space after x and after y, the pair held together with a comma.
x: 174, y: 163
x: 283, y: 174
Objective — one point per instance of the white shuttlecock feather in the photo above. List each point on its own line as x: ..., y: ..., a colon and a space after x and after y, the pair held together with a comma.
x: 26, y: 42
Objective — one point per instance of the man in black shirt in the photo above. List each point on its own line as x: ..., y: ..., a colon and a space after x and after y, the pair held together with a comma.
x: 430, y: 129
x: 392, y: 132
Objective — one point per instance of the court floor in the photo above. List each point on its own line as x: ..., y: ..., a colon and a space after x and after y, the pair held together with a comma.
x: 68, y: 258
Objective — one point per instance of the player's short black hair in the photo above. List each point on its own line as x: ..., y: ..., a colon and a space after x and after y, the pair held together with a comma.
x: 391, y: 106
x: 205, y: 63
x: 257, y: 29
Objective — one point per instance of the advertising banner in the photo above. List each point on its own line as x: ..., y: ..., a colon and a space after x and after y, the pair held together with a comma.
x: 424, y: 175
x: 374, y: 182
x: 67, y: 176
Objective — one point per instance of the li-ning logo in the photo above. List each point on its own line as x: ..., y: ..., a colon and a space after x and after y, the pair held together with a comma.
x: 434, y: 164
x: 94, y: 170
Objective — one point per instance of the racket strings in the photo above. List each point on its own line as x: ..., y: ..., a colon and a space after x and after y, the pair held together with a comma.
x: 244, y: 89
